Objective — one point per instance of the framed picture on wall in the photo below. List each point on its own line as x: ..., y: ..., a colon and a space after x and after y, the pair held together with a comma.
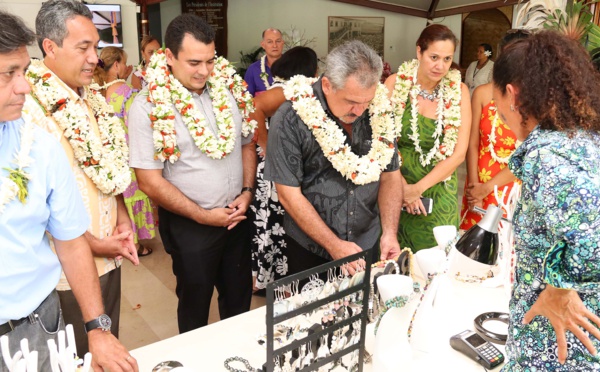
x: 369, y: 30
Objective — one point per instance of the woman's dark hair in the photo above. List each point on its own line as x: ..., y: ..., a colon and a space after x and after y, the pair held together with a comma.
x: 486, y: 48
x: 555, y: 80
x: 513, y: 35
x: 296, y: 61
x: 433, y: 33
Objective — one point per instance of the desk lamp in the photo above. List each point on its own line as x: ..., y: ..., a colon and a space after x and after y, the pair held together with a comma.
x: 480, y: 243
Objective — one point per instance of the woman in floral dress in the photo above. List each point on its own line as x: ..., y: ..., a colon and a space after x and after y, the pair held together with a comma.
x: 269, y: 261
x: 433, y: 116
x: 488, y: 153
x: 546, y: 90
x: 110, y: 80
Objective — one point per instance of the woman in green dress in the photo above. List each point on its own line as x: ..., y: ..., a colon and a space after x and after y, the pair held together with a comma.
x: 433, y: 118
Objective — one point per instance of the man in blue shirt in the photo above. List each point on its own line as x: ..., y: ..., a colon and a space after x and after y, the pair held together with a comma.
x: 258, y: 76
x: 38, y: 193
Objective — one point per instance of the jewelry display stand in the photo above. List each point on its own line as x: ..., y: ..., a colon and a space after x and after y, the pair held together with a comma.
x: 328, y: 332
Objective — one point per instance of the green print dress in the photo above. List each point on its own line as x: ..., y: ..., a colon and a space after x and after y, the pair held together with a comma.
x: 557, y: 236
x: 416, y: 231
x: 139, y: 206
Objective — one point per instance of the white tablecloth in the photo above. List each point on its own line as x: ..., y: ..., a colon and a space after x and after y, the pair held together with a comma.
x: 206, y: 349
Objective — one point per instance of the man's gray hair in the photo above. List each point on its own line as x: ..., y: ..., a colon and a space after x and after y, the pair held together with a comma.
x: 353, y: 58
x: 51, y: 21
x: 13, y: 33
x: 271, y: 29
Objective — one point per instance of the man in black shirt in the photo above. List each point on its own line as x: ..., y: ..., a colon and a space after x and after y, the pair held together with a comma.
x: 337, y: 204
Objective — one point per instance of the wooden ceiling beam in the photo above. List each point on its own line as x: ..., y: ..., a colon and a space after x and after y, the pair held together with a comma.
x: 432, y: 8
x: 385, y: 6
x: 474, y: 7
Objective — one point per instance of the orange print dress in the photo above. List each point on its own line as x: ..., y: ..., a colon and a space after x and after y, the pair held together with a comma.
x: 487, y: 166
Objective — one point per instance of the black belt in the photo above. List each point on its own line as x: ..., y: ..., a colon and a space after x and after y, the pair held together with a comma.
x: 32, y: 318
x: 12, y: 324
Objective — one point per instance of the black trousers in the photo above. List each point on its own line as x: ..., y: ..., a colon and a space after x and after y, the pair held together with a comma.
x: 110, y: 285
x: 205, y: 257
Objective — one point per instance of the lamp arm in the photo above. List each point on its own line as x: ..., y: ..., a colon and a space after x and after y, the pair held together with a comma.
x: 483, y: 211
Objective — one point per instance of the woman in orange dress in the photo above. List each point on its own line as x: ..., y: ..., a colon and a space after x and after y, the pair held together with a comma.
x: 490, y: 145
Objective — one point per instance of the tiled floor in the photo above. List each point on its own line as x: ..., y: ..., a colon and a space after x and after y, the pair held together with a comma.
x: 149, y: 303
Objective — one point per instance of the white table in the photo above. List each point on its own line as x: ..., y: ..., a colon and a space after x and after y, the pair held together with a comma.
x: 206, y: 349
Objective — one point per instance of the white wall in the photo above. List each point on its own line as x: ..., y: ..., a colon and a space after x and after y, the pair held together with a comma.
x: 28, y: 10
x: 247, y: 19
x: 168, y: 10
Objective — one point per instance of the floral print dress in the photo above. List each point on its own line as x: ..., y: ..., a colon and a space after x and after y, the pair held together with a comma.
x: 139, y: 206
x: 487, y: 166
x: 269, y: 262
x: 557, y: 236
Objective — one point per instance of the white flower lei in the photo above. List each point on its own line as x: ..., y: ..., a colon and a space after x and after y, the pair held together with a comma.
x: 97, y: 87
x: 103, y: 159
x: 332, y: 140
x: 263, y: 72
x: 492, y: 139
x: 448, y: 111
x: 15, y: 185
x: 165, y: 91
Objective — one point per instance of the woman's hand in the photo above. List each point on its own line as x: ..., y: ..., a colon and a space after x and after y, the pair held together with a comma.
x: 476, y: 192
x: 412, y: 194
x: 412, y: 200
x: 566, y: 312
x: 415, y: 208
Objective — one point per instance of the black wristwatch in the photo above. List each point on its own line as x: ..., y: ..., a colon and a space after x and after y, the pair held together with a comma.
x: 103, y: 322
x: 248, y: 188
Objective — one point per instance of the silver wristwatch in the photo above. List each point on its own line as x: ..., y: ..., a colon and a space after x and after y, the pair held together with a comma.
x: 103, y: 322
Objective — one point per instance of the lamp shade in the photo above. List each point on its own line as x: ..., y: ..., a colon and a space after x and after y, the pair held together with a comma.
x: 480, y: 242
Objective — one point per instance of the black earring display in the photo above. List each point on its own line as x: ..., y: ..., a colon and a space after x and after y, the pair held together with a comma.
x: 488, y: 335
x: 342, y: 321
x: 404, y: 263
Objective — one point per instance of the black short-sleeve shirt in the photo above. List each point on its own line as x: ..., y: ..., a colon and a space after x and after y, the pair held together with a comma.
x: 295, y: 159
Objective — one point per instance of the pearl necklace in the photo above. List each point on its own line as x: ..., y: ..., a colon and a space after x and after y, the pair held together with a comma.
x: 15, y: 185
x: 430, y: 96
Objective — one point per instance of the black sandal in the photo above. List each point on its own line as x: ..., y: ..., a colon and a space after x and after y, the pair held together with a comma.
x: 141, y: 249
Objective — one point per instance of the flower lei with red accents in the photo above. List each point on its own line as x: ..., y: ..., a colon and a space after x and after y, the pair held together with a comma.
x: 168, y: 95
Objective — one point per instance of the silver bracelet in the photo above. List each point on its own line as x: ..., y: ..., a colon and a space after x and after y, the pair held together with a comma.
x: 238, y: 359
